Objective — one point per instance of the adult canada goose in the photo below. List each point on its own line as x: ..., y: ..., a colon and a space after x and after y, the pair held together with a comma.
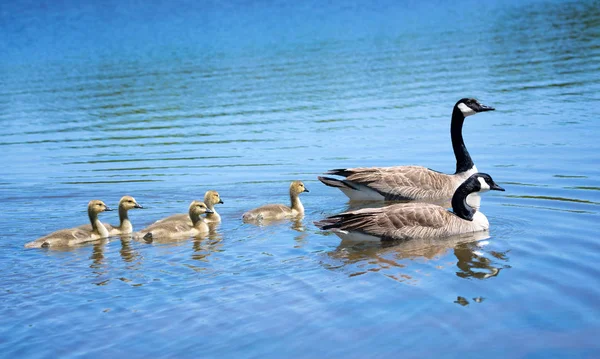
x: 73, y: 236
x: 210, y: 199
x: 125, y: 204
x: 179, y: 229
x: 412, y: 182
x: 271, y: 212
x: 414, y: 220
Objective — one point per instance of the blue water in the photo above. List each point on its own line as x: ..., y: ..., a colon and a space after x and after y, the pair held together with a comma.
x: 165, y: 101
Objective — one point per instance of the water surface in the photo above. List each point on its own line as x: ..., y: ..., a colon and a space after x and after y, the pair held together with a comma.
x: 167, y: 101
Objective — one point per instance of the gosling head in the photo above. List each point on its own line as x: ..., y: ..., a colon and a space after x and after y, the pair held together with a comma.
x: 198, y: 208
x: 297, y: 187
x: 212, y: 197
x: 128, y: 202
x: 97, y: 206
x: 470, y: 106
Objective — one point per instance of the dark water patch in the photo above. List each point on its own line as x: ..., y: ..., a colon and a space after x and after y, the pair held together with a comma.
x: 550, y: 208
x: 569, y: 176
x: 550, y: 198
x: 586, y: 188
x: 111, y: 182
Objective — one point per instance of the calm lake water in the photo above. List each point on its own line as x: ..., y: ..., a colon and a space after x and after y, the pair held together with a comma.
x: 164, y: 102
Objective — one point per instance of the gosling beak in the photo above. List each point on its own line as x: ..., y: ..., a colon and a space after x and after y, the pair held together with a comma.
x: 483, y: 108
x: 306, y: 190
x: 495, y: 187
x: 107, y: 208
x: 138, y: 206
x: 209, y: 211
x: 220, y: 201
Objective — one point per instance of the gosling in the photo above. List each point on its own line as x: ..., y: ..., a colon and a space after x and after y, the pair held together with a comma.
x: 273, y: 212
x: 178, y: 229
x: 210, y: 199
x: 74, y: 236
x: 125, y: 227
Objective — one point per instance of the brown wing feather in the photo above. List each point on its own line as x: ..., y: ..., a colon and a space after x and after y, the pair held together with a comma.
x: 399, y: 221
x: 403, y: 182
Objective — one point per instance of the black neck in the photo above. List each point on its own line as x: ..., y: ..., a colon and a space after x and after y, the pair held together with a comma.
x: 463, y: 159
x: 459, y: 202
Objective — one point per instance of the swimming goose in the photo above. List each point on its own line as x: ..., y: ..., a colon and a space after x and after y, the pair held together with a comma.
x: 414, y: 220
x: 210, y: 199
x: 179, y: 229
x: 271, y: 212
x: 125, y: 204
x: 73, y: 236
x: 412, y: 182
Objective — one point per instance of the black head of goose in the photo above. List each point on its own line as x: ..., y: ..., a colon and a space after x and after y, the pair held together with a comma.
x: 412, y: 182
x: 415, y: 220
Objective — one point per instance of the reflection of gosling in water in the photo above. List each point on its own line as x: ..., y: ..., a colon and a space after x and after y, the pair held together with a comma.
x: 74, y: 236
x: 125, y: 204
x: 179, y: 229
x: 210, y: 199
x: 273, y: 212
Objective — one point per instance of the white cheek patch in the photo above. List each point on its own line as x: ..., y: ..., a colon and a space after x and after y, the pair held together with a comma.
x: 466, y: 110
x: 484, y: 186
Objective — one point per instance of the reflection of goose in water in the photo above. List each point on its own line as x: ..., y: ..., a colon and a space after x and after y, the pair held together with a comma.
x: 474, y: 264
x: 204, y: 247
x: 393, y: 258
x: 97, y: 255
x: 128, y: 253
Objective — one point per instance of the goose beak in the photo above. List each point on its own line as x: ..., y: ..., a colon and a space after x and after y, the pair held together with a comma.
x: 209, y: 211
x: 306, y: 190
x: 220, y: 201
x: 108, y: 209
x: 495, y: 187
x: 138, y: 206
x: 483, y: 108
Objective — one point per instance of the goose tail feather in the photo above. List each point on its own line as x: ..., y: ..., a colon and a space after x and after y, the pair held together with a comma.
x: 336, y: 183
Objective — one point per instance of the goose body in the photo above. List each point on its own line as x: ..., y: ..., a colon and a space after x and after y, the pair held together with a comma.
x: 194, y: 225
x: 78, y: 235
x: 415, y: 220
x: 125, y: 227
x: 411, y: 182
x: 274, y: 212
x: 210, y: 199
